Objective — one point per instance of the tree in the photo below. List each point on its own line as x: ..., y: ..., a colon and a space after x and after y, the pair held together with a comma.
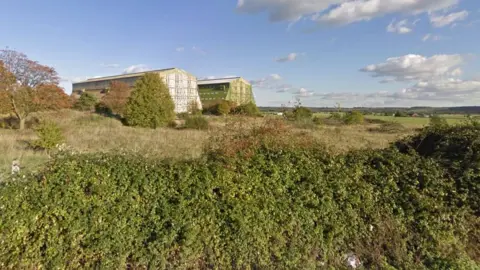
x: 27, y: 72
x: 52, y: 97
x: 117, y: 97
x: 27, y: 86
x: 150, y: 104
x: 86, y: 102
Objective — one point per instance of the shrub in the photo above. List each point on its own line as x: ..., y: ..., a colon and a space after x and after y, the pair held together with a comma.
x: 249, y: 109
x: 116, y: 98
x: 223, y: 108
x: 457, y: 148
x: 354, y: 118
x: 437, y: 121
x: 196, y: 122
x: 150, y: 104
x: 302, y: 113
x: 86, y: 102
x: 260, y: 198
x: 318, y: 120
x: 102, y: 108
x: 263, y: 199
x: 49, y: 136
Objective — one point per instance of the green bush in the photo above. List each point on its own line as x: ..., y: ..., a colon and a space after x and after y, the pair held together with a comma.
x: 150, y: 104
x: 223, y: 108
x: 196, y: 122
x: 437, y: 121
x: 86, y: 102
x: 457, y: 148
x: 249, y: 109
x: 354, y: 118
x: 102, y: 108
x: 49, y: 136
x: 263, y: 198
x: 302, y: 113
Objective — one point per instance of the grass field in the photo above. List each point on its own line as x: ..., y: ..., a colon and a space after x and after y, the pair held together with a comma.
x: 411, y: 122
x: 88, y: 132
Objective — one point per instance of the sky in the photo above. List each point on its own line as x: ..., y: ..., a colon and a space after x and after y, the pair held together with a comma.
x: 372, y: 53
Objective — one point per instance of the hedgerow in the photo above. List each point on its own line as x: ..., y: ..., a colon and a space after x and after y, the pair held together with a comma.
x: 263, y: 198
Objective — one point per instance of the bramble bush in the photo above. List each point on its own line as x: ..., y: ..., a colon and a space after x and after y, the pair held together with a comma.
x: 259, y: 198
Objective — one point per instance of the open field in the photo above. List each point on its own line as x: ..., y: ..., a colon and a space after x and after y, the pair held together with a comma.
x: 89, y: 132
x: 410, y: 122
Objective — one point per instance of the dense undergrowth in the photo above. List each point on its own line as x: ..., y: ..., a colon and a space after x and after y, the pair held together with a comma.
x: 264, y: 198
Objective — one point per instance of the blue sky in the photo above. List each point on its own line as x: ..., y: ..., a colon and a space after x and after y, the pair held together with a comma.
x: 356, y: 53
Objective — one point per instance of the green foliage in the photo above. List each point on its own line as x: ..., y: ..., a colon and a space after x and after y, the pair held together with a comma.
x: 102, y: 108
x: 223, y: 108
x: 260, y: 198
x: 354, y: 118
x: 457, y: 148
x: 49, y: 136
x: 437, y: 121
x: 401, y: 114
x: 196, y: 122
x: 86, y: 102
x: 302, y: 113
x: 249, y: 109
x: 150, y: 104
x: 318, y: 120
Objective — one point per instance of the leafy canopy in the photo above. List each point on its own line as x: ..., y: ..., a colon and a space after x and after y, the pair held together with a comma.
x: 150, y: 104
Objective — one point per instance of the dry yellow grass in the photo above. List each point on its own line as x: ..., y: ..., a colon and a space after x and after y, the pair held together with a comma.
x: 88, y: 132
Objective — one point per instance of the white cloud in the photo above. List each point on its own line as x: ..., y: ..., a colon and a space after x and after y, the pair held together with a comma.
x: 400, y: 27
x: 180, y: 49
x: 289, y: 58
x: 110, y: 65
x: 136, y: 68
x: 339, y: 12
x: 431, y: 37
x: 275, y: 76
x: 302, y: 92
x: 417, y: 67
x: 444, y: 20
x: 198, y: 50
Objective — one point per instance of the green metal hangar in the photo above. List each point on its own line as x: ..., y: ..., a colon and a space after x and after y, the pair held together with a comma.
x: 234, y: 89
x: 182, y: 85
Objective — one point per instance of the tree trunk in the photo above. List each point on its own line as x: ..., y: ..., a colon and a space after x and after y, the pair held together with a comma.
x: 22, y: 124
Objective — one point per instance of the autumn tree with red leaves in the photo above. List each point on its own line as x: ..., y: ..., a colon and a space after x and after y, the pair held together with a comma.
x: 117, y: 97
x: 27, y: 86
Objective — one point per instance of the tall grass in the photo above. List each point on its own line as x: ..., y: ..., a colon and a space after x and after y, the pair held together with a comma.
x: 89, y: 132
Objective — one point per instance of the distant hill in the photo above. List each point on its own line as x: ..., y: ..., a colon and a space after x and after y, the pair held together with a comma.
x: 428, y: 110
